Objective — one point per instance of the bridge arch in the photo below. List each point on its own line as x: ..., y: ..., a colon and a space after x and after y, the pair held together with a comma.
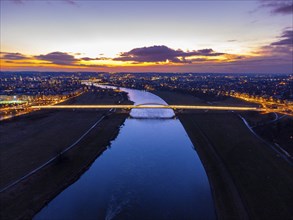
x: 152, y: 103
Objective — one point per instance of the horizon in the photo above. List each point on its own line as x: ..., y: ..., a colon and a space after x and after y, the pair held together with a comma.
x: 103, y: 72
x: 147, y: 36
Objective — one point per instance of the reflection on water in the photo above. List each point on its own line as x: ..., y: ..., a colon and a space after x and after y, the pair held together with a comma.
x: 141, y: 98
x: 151, y: 171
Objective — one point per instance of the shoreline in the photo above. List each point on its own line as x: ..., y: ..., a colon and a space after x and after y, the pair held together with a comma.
x: 29, y: 196
x: 227, y: 201
x: 243, y: 172
x: 221, y: 183
x: 46, y: 174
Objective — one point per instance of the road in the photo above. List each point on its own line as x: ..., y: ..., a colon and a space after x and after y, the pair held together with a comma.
x: 153, y: 106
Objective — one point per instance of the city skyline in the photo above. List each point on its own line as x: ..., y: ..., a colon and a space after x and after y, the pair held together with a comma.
x: 147, y: 36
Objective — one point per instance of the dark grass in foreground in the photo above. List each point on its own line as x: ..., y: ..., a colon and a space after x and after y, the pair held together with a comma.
x: 277, y: 129
x: 32, y: 139
x: 245, y: 174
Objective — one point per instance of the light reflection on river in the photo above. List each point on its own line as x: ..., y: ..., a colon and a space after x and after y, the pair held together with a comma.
x: 151, y: 171
x: 141, y: 98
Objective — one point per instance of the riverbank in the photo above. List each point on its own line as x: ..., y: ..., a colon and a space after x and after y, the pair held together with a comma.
x: 248, y: 179
x: 35, y: 138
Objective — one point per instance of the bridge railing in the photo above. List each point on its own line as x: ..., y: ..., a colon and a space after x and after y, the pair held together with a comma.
x: 156, y: 106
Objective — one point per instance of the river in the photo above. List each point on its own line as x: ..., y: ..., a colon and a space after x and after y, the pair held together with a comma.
x: 150, y: 171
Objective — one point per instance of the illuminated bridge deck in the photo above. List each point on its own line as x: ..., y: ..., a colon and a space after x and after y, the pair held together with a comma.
x: 175, y: 107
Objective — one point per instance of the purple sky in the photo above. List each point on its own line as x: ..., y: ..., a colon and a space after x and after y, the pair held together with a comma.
x: 175, y: 36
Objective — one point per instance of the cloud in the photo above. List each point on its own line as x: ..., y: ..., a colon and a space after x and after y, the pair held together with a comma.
x: 61, y: 58
x: 71, y: 2
x: 13, y: 56
x: 286, y: 39
x: 162, y: 53
x: 23, y: 62
x: 276, y: 56
x: 97, y: 58
x: 201, y: 60
x: 285, y: 9
x: 282, y: 47
x: 279, y: 6
x: 58, y: 58
x: 205, y: 52
x: 88, y: 58
x: 230, y: 57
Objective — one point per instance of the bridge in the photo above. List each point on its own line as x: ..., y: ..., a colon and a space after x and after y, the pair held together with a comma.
x: 151, y: 106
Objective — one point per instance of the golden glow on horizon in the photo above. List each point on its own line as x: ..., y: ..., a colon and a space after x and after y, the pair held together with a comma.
x: 108, y: 63
x: 79, y: 64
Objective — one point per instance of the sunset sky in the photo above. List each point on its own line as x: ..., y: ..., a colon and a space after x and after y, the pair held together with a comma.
x: 138, y: 36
